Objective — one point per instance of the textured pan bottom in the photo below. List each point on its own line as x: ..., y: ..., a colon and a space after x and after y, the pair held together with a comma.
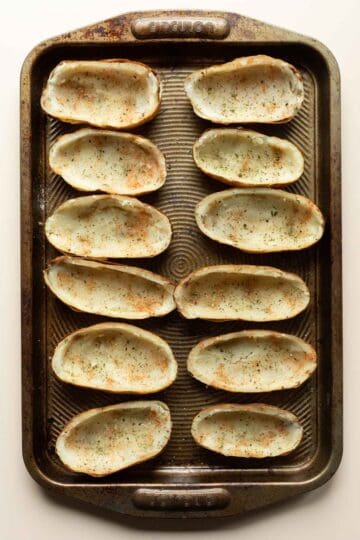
x: 174, y: 131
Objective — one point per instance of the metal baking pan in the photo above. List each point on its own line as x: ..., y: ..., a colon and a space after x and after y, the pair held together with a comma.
x: 186, y: 480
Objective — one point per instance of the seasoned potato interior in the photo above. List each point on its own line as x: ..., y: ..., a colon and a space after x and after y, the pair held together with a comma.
x: 119, y: 163
x: 252, y: 361
x: 108, y: 226
x: 260, y: 220
x: 108, y: 291
x: 247, y: 434
x: 115, y: 358
x: 115, y: 439
x: 248, y: 93
x: 243, y: 157
x: 116, y: 94
x: 223, y: 295
x: 250, y: 89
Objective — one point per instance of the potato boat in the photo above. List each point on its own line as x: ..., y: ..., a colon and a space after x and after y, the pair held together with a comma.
x: 108, y: 226
x: 241, y: 292
x: 251, y: 89
x: 247, y: 431
x: 246, y: 158
x: 103, y: 441
x: 113, y: 290
x: 252, y: 361
x: 116, y: 93
x: 260, y: 220
x: 115, y: 357
x: 111, y: 161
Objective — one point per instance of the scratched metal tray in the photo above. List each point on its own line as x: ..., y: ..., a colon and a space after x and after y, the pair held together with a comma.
x: 186, y: 480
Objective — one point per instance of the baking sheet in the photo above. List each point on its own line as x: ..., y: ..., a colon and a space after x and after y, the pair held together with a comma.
x: 174, y: 130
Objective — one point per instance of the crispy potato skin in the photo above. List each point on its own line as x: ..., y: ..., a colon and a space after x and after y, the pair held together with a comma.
x: 274, y: 144
x: 260, y: 220
x: 144, y: 307
x: 111, y: 330
x: 116, y: 164
x: 108, y: 226
x: 223, y: 361
x: 218, y: 93
x: 89, y: 118
x: 283, y: 421
x: 159, y: 412
x: 187, y: 309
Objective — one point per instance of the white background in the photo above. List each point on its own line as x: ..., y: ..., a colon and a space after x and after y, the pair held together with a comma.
x: 332, y: 512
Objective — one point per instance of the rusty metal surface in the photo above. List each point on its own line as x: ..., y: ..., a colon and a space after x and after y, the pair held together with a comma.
x: 186, y: 479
